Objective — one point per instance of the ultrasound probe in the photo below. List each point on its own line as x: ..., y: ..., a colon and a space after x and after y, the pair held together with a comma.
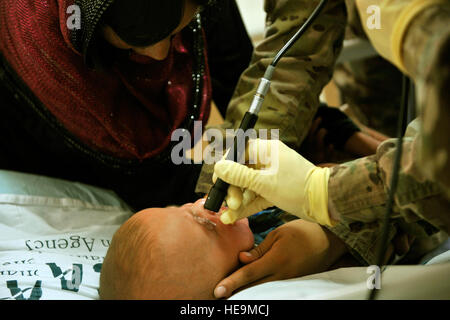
x: 219, y: 190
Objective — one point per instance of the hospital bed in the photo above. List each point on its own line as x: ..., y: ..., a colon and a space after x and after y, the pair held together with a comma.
x: 54, y: 235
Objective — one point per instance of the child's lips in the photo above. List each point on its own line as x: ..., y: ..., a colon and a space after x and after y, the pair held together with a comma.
x: 202, y: 201
x: 215, y: 216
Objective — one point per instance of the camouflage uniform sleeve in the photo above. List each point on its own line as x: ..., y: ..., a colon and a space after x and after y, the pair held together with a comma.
x: 299, y: 77
x: 358, y: 191
x: 417, y: 39
x: 427, y: 54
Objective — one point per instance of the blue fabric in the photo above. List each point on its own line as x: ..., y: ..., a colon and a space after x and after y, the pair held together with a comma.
x: 262, y: 223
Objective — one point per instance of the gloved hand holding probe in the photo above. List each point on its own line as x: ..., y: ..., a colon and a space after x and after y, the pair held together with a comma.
x: 276, y: 176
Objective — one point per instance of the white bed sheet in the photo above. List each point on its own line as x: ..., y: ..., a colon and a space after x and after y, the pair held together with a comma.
x: 54, y: 236
x: 398, y: 282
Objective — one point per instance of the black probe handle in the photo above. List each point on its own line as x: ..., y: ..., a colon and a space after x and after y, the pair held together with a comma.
x: 219, y: 190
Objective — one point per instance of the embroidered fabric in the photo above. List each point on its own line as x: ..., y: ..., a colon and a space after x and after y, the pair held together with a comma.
x: 129, y: 111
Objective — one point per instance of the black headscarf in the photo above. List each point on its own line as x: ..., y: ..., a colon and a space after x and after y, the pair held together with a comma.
x: 143, y: 22
x: 137, y: 22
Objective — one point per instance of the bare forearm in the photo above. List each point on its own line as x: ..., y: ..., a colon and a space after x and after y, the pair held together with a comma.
x: 361, y: 144
x: 321, y: 247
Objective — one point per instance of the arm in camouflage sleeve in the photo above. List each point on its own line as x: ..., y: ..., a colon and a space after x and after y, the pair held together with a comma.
x: 358, y: 192
x: 299, y: 77
x: 415, y: 36
x: 358, y: 189
x: 433, y: 86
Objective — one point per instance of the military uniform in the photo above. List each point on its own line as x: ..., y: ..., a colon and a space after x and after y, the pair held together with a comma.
x: 371, y: 87
x: 358, y: 189
x: 299, y: 77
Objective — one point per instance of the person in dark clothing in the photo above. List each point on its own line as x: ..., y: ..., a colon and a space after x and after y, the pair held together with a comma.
x: 98, y: 104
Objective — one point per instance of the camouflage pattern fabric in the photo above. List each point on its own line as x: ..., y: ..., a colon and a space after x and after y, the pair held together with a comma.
x: 371, y: 87
x: 358, y: 189
x: 299, y: 77
x: 427, y: 54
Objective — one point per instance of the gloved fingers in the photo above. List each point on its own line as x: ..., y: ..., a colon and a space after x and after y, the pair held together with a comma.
x: 234, y: 197
x: 259, y: 152
x: 214, y: 176
x: 236, y: 174
x: 230, y: 216
x: 258, y: 156
x: 248, y: 196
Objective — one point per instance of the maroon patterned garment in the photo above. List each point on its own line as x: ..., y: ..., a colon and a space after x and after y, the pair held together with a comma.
x: 128, y: 112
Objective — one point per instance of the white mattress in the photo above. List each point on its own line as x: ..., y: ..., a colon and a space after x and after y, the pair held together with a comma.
x: 431, y: 281
x: 54, y: 235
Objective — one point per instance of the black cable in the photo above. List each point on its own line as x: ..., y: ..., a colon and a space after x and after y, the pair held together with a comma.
x: 219, y: 190
x: 299, y: 33
x: 382, y: 249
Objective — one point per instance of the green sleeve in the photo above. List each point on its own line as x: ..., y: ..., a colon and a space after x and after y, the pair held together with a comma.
x: 358, y: 190
x: 300, y: 75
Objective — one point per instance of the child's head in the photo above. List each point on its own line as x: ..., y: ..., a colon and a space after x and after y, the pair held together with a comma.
x: 172, y: 253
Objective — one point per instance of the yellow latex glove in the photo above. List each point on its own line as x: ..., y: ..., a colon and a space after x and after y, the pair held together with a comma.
x: 278, y: 176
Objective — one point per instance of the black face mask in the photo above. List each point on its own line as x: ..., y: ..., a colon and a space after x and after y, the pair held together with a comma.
x: 144, y: 22
x: 150, y: 26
